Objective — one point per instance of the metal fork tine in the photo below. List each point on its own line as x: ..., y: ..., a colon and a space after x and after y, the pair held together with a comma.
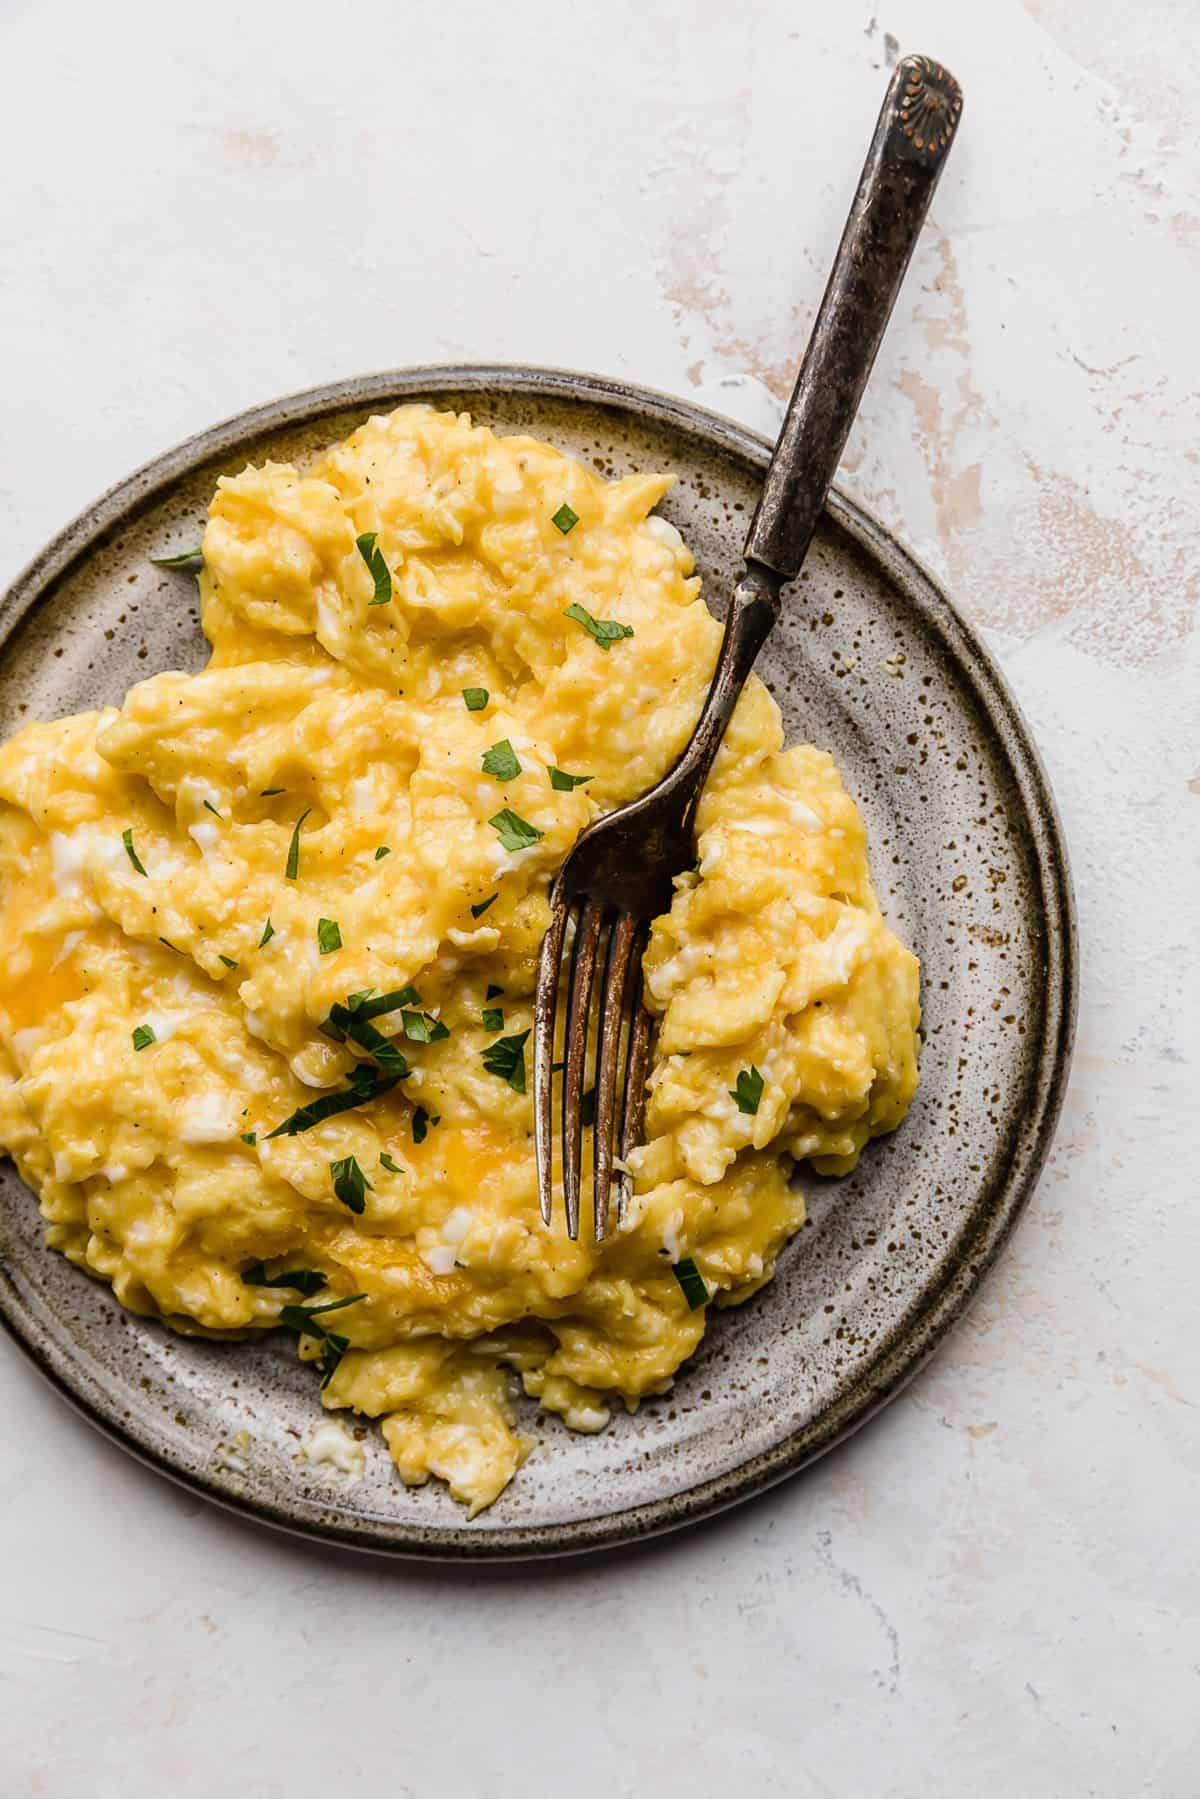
x: 579, y: 1000
x: 635, y: 1073
x: 545, y: 1007
x: 619, y: 971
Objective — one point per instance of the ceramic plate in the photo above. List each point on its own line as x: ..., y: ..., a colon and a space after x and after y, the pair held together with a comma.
x: 869, y: 660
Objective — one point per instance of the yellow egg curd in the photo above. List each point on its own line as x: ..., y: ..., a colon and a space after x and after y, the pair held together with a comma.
x: 269, y: 936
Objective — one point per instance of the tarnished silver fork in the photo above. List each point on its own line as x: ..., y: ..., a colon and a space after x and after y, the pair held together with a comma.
x: 619, y: 875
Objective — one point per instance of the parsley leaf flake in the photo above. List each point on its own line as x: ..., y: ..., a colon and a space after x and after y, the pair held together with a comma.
x: 423, y: 1027
x: 381, y: 574
x: 514, y: 832
x: 606, y: 631
x: 300, y: 1280
x: 190, y: 559
x: 506, y: 1058
x: 501, y: 761
x: 364, y: 1084
x: 747, y: 1090
x: 350, y: 1184
x: 127, y: 840
x: 293, y: 856
x: 692, y: 1282
x: 343, y: 1023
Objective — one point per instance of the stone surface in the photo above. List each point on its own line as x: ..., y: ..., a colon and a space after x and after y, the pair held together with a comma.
x: 994, y: 1585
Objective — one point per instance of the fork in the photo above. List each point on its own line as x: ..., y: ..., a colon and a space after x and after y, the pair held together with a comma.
x: 619, y: 875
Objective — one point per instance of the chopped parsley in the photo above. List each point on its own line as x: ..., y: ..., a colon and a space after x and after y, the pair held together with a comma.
x: 493, y: 1018
x: 381, y: 574
x: 350, y: 1184
x: 363, y: 1007
x: 606, y: 631
x: 181, y: 559
x: 170, y: 946
x: 476, y: 698
x: 420, y: 1124
x: 329, y: 936
x: 747, y: 1090
x: 422, y: 1027
x: 692, y: 1282
x: 506, y: 1058
x: 268, y: 933
x: 479, y: 910
x: 269, y: 792
x: 143, y: 1036
x: 209, y: 807
x: 293, y: 855
x: 501, y: 761
x: 514, y: 833
x: 381, y: 852
x: 250, y: 1137
x: 387, y: 1002
x: 228, y: 960
x: 364, y: 1085
x: 334, y: 1305
x: 299, y: 1280
x: 566, y: 518
x: 333, y: 1348
x: 127, y: 840
x: 493, y: 991
x: 343, y: 1023
x: 300, y: 1319
x: 564, y: 783
x: 304, y: 1320
x: 385, y: 1161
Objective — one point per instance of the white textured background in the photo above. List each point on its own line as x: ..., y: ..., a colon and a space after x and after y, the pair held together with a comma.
x: 994, y: 1589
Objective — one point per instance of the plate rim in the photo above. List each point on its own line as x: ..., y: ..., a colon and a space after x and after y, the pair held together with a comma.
x: 942, y: 1302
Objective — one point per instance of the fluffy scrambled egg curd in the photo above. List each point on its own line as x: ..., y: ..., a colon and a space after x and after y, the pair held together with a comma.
x: 270, y: 931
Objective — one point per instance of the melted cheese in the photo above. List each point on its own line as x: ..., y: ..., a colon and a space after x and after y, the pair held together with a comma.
x: 340, y: 725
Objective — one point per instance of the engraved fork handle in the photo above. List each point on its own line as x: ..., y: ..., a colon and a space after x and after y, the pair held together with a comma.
x: 913, y: 135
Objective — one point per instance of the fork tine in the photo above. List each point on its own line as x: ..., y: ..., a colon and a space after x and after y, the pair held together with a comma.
x: 545, y: 1006
x: 635, y: 1074
x: 579, y: 1000
x: 619, y: 974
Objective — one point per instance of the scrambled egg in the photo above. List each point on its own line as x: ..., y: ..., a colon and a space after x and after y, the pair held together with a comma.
x: 305, y: 889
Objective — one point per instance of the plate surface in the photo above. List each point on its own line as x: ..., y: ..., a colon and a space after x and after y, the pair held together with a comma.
x: 870, y: 661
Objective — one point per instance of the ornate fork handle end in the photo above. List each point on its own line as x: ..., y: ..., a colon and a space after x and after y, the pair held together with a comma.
x: 926, y: 102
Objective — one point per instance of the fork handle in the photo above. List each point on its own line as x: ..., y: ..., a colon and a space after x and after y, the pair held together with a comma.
x: 914, y: 133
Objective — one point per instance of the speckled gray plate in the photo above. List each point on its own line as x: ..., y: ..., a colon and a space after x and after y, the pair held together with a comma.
x: 869, y: 660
